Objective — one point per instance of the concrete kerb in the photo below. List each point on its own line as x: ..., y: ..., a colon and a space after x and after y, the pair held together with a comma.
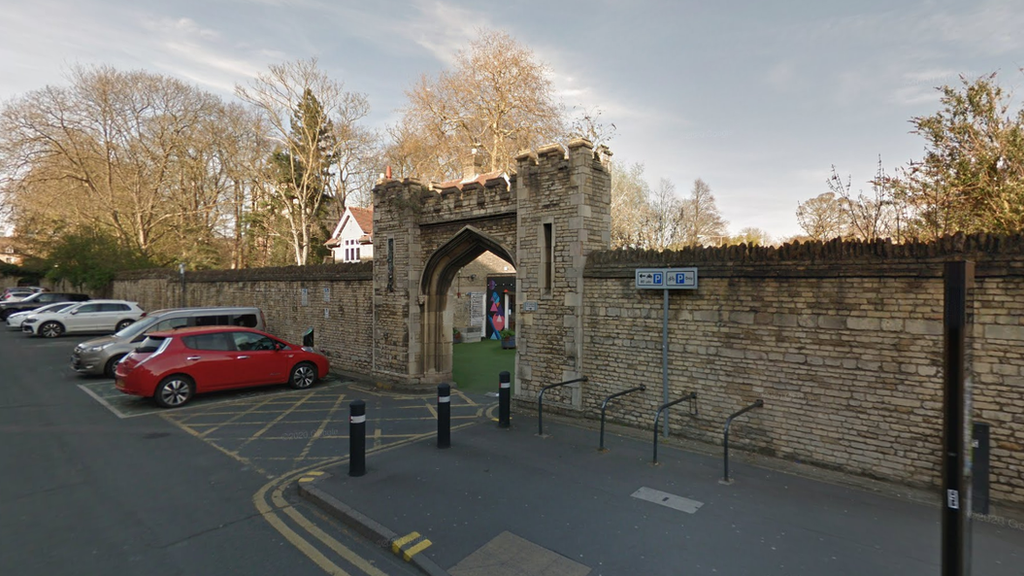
x: 364, y: 525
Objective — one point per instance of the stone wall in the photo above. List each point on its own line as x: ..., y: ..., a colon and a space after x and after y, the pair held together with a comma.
x: 843, y: 342
x: 335, y: 304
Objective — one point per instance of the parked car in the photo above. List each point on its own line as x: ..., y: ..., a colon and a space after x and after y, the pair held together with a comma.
x: 173, y: 366
x: 16, y: 318
x: 17, y: 293
x: 99, y: 356
x: 38, y: 299
x: 89, y: 316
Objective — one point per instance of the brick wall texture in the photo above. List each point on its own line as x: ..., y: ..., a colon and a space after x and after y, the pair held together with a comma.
x: 341, y: 317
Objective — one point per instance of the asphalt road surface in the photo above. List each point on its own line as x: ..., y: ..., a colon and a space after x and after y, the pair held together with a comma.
x: 86, y: 490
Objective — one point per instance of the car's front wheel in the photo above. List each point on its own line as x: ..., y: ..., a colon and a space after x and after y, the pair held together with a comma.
x: 51, y: 329
x: 174, y: 391
x: 4, y: 314
x: 111, y: 365
x: 303, y: 376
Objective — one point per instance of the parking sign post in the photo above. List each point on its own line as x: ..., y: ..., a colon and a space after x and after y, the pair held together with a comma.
x: 665, y: 279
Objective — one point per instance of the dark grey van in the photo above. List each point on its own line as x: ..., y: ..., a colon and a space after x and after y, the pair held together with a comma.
x: 99, y: 356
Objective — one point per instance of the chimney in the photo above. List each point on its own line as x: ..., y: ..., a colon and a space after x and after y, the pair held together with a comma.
x: 473, y: 164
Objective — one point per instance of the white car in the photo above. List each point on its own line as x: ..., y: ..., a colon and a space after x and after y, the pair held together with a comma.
x: 107, y: 316
x: 15, y: 320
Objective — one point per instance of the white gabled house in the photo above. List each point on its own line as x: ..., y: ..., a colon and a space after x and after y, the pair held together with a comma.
x: 352, y: 240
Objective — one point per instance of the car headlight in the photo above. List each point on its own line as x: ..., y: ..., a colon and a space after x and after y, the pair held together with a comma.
x: 30, y: 320
x: 96, y: 348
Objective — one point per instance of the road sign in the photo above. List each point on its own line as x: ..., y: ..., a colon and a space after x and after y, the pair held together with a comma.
x: 666, y: 278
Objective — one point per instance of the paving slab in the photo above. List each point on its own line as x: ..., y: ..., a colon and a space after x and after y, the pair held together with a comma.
x: 495, y: 489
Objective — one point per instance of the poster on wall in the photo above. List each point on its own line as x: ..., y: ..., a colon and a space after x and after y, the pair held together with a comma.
x: 477, y: 313
x: 501, y: 292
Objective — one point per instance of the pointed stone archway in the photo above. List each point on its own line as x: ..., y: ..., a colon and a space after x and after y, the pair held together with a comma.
x: 438, y: 274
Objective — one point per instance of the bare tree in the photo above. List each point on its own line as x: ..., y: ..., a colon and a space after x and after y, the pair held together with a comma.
x: 699, y: 218
x: 497, y: 98
x: 307, y: 112
x: 822, y: 217
x: 751, y: 237
x: 126, y: 154
x: 630, y: 208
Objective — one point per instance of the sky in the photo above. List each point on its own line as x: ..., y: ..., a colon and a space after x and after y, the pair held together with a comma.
x: 758, y: 99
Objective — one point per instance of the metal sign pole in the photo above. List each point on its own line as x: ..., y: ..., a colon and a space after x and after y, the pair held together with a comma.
x: 664, y: 358
x: 955, y: 551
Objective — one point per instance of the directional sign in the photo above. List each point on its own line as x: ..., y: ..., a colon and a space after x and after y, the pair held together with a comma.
x: 666, y: 278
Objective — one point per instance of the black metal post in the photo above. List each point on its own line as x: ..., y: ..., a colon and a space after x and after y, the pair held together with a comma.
x: 955, y: 495
x: 604, y: 405
x: 181, y: 270
x: 540, y: 401
x: 444, y: 416
x: 504, y: 399
x: 357, y: 438
x: 690, y: 396
x: 725, y: 442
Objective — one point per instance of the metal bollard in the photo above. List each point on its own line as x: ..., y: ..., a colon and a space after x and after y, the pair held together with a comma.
x: 357, y: 438
x: 444, y: 416
x: 504, y: 398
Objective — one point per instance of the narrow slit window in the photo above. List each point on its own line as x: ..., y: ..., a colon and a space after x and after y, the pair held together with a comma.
x: 548, y: 259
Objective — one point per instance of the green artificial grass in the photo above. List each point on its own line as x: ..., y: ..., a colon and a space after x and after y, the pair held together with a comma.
x: 475, y: 366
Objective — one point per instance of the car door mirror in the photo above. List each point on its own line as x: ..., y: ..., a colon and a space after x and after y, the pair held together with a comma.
x: 73, y: 312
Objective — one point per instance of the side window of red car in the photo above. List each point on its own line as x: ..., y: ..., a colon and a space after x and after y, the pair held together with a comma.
x: 253, y: 341
x: 221, y: 341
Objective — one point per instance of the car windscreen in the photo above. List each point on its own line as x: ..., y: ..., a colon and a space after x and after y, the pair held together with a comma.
x: 151, y: 344
x: 132, y: 330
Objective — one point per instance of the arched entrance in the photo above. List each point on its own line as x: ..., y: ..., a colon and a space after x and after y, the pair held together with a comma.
x: 543, y: 220
x: 438, y: 275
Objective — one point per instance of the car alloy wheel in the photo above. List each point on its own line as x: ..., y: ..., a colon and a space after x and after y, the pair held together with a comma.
x: 111, y: 366
x: 303, y: 376
x: 122, y: 325
x: 51, y: 330
x: 174, y: 391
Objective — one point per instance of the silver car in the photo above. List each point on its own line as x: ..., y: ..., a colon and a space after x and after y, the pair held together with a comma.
x: 100, y: 356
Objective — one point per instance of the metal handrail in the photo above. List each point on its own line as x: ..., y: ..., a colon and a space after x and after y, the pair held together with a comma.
x: 604, y: 405
x: 690, y: 396
x: 540, y: 401
x: 758, y: 404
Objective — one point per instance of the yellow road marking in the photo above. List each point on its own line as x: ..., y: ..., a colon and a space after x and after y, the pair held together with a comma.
x: 433, y: 412
x: 465, y: 398
x: 399, y: 542
x: 377, y: 435
x: 273, y: 422
x: 323, y: 426
x: 408, y: 554
x: 206, y: 433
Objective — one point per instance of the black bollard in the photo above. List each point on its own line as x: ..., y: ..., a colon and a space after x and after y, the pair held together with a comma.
x: 504, y: 398
x: 444, y: 416
x: 357, y: 438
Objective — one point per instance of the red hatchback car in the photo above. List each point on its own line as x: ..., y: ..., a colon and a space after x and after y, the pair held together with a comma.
x: 175, y: 365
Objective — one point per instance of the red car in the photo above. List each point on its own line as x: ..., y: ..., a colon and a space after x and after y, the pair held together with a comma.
x: 173, y: 366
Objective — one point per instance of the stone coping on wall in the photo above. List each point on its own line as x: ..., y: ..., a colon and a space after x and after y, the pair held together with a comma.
x: 311, y: 273
x: 994, y: 256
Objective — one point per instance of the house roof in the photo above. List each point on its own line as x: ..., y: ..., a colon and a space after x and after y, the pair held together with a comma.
x: 481, y: 180
x: 363, y: 218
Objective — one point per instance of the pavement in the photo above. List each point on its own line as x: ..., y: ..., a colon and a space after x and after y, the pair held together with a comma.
x: 502, y: 502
